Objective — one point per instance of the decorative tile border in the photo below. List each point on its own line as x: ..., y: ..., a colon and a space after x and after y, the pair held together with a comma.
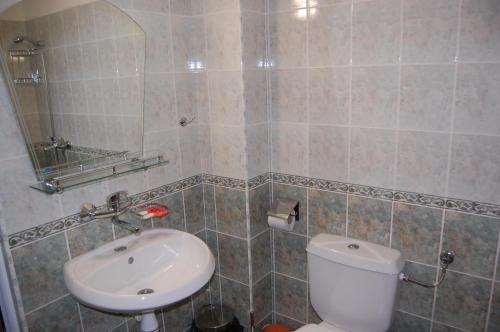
x: 473, y: 207
x: 59, y: 225
x: 259, y: 180
x: 462, y: 205
x: 39, y: 232
x: 224, y: 181
x: 165, y: 190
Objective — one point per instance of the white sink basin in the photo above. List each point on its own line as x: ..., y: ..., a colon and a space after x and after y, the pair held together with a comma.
x: 171, y: 263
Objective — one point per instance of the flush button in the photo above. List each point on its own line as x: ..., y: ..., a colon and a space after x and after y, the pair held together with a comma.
x: 353, y: 246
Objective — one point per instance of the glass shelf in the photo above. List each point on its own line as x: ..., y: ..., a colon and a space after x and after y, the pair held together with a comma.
x: 59, y: 184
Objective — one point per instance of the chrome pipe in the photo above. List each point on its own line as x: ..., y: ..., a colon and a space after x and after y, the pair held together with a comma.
x: 447, y: 257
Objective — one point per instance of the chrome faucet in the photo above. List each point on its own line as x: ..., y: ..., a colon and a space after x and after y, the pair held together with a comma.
x: 117, y: 204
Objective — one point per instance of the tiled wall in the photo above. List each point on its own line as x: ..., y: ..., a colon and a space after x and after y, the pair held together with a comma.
x: 212, y: 208
x: 166, y: 99
x: 204, y: 61
x: 94, y: 57
x: 391, y: 93
x: 395, y: 94
x: 469, y: 298
x: 39, y: 270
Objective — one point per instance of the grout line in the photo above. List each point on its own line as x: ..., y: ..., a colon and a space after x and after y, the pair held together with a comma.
x: 450, y: 150
x: 357, y: 65
x: 419, y: 263
x: 260, y: 233
x: 308, y: 153
x: 355, y: 126
x: 347, y: 215
x: 273, y: 270
x: 291, y: 318
x: 453, y: 101
x: 263, y: 277
x: 229, y: 235
x: 183, y: 211
x: 209, y: 98
x: 46, y: 304
x: 398, y: 105
x: 447, y: 325
x: 438, y: 270
x: 249, y: 254
x: 308, y: 92
x: 67, y: 244
x: 349, y: 106
x: 123, y: 322
x: 268, y: 90
x: 364, y: 65
x: 492, y: 291
x: 206, y: 234
x: 80, y: 315
x: 265, y: 317
x: 162, y: 312
x: 174, y: 85
x: 391, y: 227
x: 217, y: 242
x: 431, y: 321
x: 412, y: 314
x: 495, y: 268
x: 290, y: 277
x: 470, y: 275
x: 398, y: 112
x: 233, y: 280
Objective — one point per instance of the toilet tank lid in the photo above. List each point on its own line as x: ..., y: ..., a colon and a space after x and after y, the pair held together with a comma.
x: 356, y: 253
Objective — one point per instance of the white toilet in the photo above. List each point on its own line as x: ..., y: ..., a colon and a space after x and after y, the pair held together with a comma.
x: 352, y: 284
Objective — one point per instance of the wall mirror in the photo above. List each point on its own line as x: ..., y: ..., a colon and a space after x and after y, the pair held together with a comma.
x: 75, y: 71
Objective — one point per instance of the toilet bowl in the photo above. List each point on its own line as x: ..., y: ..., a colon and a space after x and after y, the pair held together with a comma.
x: 352, y: 284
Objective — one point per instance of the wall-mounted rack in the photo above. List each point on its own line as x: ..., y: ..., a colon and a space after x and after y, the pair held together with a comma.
x: 59, y: 184
x: 25, y: 81
x: 23, y: 52
x: 35, y: 78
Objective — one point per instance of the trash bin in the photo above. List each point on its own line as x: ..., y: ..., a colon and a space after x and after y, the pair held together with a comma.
x: 216, y: 318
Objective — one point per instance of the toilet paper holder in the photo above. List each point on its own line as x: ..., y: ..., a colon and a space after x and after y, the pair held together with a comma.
x: 282, y: 208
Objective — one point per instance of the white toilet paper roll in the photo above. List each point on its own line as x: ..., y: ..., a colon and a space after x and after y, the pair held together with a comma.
x: 286, y: 225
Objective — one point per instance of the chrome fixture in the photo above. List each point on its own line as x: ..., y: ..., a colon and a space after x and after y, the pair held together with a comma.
x: 447, y: 257
x: 117, y: 204
x: 56, y: 183
x: 57, y: 143
x: 17, y: 53
x: 34, y: 78
x: 20, y: 38
x: 184, y: 121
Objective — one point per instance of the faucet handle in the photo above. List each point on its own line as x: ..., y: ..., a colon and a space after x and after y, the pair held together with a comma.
x: 118, y: 201
x: 87, y: 211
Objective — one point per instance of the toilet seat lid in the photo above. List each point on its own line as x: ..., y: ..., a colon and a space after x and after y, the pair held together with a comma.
x: 323, y: 327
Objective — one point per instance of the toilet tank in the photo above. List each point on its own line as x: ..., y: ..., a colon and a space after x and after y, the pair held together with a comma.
x: 353, y: 283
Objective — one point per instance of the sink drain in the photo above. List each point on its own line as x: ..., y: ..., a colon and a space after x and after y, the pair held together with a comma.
x: 145, y: 291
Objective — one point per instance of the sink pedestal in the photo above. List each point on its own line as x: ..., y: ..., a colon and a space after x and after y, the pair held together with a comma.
x: 148, y: 321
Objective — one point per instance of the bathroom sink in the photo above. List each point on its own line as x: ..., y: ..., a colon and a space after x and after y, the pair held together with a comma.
x: 140, y: 273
